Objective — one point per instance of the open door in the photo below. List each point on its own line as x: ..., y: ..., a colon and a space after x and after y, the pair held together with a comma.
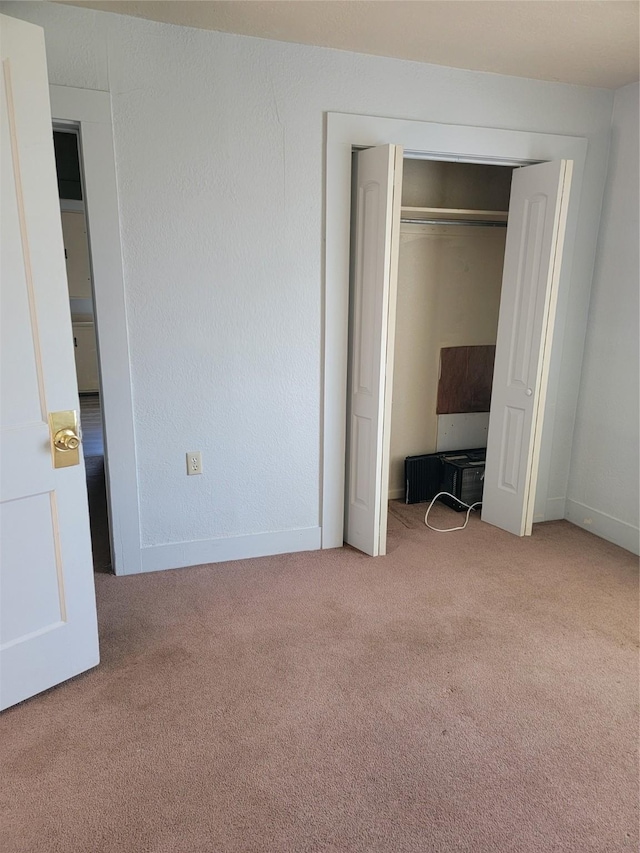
x: 533, y: 255
x: 48, y: 627
x: 378, y: 188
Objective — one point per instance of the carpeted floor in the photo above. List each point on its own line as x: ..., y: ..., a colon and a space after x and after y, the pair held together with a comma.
x: 468, y: 692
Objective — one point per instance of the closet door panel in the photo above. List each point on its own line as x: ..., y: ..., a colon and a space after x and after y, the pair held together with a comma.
x: 533, y: 256
x: 373, y: 295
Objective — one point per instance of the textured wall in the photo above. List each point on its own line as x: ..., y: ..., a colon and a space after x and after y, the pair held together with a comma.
x: 603, y: 486
x: 219, y: 155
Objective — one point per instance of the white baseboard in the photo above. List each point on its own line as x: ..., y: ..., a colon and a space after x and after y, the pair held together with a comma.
x: 175, y: 555
x: 612, y: 529
x: 396, y: 494
x: 554, y: 510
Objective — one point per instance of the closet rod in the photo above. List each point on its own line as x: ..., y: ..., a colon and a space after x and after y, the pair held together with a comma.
x: 488, y: 223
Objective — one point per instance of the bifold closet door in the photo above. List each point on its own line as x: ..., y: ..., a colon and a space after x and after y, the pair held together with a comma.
x: 533, y: 256
x: 372, y: 328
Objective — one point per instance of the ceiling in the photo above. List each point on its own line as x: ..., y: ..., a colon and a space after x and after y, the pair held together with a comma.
x: 586, y: 42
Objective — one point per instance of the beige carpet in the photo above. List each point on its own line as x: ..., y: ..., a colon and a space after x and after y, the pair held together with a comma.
x: 468, y: 692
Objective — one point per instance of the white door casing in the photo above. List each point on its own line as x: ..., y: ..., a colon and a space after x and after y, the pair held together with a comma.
x: 533, y: 256
x: 378, y: 183
x: 470, y: 144
x: 90, y: 112
x: 48, y: 627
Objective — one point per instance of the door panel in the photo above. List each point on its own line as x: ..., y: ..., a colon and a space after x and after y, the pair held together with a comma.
x: 49, y: 629
x: 533, y: 256
x: 76, y: 246
x: 86, y: 355
x: 375, y: 260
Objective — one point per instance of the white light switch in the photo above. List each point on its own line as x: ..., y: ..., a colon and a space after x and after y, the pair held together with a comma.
x: 194, y: 462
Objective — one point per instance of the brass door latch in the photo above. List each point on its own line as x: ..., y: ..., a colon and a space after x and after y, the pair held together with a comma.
x: 65, y: 438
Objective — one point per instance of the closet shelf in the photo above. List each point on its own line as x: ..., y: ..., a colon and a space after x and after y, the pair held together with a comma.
x: 453, y: 214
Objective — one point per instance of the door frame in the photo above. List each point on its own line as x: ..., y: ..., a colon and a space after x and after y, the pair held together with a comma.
x: 90, y: 111
x: 432, y: 141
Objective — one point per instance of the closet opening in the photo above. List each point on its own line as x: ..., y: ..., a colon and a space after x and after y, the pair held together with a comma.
x: 451, y: 257
x: 454, y: 270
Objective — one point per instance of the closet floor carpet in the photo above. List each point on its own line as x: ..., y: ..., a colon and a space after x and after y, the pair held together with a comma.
x: 467, y: 692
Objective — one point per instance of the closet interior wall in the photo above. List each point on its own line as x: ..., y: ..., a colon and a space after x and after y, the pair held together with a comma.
x: 449, y: 283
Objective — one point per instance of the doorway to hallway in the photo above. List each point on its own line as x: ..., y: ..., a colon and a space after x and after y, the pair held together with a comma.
x: 77, y: 248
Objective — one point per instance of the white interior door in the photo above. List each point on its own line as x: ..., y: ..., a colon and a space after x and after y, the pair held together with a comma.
x: 378, y: 188
x: 48, y: 628
x: 533, y: 256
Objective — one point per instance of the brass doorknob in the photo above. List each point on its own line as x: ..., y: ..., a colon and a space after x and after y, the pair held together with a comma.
x: 66, y: 439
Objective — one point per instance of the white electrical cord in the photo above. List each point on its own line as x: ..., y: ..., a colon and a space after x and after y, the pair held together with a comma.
x: 449, y: 529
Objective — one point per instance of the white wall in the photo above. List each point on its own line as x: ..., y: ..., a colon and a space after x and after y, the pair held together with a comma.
x: 219, y: 152
x: 603, y: 485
